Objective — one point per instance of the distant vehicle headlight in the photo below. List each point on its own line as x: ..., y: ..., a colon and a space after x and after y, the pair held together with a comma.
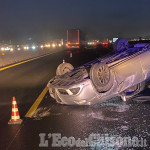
x: 26, y: 47
x: 7, y: 49
x: 53, y: 45
x: 11, y: 49
x: 33, y: 47
x: 2, y: 48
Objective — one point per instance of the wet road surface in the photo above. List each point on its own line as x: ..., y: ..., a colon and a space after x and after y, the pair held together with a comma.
x: 111, y: 118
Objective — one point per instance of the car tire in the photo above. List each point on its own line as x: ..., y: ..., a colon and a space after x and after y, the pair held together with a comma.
x: 120, y: 45
x: 134, y: 90
x: 64, y: 68
x: 101, y: 77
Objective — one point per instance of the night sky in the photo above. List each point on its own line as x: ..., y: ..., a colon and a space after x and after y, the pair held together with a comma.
x: 98, y: 19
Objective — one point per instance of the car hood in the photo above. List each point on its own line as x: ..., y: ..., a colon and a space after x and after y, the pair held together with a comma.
x: 74, y: 77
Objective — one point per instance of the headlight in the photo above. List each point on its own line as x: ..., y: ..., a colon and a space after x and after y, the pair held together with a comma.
x: 62, y: 91
x: 72, y: 91
x: 75, y: 90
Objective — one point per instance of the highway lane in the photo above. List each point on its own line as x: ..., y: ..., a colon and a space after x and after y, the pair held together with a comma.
x: 26, y: 82
x: 112, y: 118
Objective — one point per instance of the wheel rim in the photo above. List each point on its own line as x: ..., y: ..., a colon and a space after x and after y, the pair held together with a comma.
x: 103, y: 75
x: 66, y: 69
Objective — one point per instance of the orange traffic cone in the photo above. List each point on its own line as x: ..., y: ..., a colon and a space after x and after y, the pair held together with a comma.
x: 15, y: 118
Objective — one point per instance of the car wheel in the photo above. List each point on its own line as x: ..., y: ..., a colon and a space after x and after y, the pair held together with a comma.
x: 101, y: 77
x: 64, y: 68
x: 120, y: 45
x: 134, y: 90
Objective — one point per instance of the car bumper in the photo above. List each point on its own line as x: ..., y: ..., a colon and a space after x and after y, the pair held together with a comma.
x: 87, y: 94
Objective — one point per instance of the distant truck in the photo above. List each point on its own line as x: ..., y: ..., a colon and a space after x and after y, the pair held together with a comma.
x: 73, y: 38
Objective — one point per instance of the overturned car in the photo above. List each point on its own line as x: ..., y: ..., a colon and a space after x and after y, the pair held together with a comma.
x: 122, y: 73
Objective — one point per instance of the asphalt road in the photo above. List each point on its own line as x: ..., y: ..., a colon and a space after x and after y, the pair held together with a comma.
x: 26, y: 82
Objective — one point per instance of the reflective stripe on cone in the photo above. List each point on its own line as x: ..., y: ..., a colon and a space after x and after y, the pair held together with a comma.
x: 15, y: 118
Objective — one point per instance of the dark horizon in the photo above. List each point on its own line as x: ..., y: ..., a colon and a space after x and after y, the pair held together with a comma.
x: 49, y: 19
